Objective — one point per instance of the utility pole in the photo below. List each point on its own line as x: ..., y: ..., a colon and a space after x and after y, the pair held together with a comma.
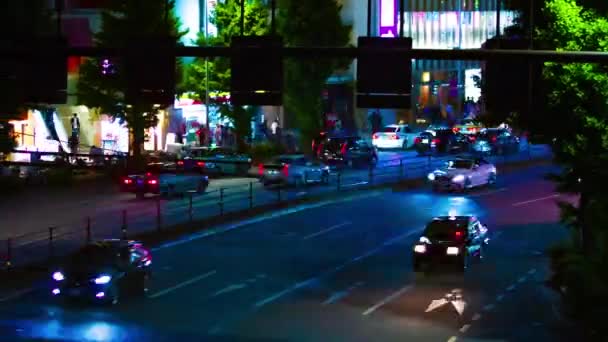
x: 369, y: 18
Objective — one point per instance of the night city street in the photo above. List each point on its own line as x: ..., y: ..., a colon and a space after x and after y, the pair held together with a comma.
x: 335, y: 273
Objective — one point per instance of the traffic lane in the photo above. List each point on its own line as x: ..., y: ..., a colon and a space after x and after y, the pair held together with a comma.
x: 382, y: 288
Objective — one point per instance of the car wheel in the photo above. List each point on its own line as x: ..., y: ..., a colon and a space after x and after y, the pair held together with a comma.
x: 491, y: 179
x: 202, y: 186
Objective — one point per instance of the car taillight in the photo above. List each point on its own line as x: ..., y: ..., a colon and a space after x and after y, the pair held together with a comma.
x: 456, y: 129
x: 261, y: 169
x: 127, y: 181
x: 395, y: 137
x: 200, y: 164
x: 436, y: 141
x: 458, y: 234
x: 285, y: 170
x: 471, y: 129
x: 343, y: 149
x: 152, y: 181
x: 375, y: 136
x: 180, y: 162
x: 494, y: 139
x: 148, y: 174
x: 418, y: 140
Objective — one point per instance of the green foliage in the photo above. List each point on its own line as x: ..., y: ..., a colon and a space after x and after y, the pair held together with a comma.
x: 310, y: 23
x: 227, y: 18
x: 121, y: 21
x: 260, y: 153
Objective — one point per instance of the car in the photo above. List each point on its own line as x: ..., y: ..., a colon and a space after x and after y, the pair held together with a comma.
x: 346, y: 151
x: 496, y: 141
x: 394, y: 136
x: 468, y: 127
x: 462, y: 174
x: 103, y: 271
x: 216, y: 161
x: 293, y: 170
x: 440, y: 141
x: 164, y: 179
x: 450, y: 241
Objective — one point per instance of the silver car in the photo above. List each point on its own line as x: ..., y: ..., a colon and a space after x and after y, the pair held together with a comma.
x: 462, y: 174
x: 293, y: 170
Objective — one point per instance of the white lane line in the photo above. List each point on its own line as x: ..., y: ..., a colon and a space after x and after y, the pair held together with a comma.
x: 521, y: 279
x: 301, y: 193
x: 334, y: 270
x: 535, y: 200
x: 488, y: 307
x: 327, y: 230
x: 500, y: 297
x: 453, y: 339
x: 16, y: 294
x: 487, y: 193
x: 341, y: 294
x: 276, y: 214
x: 354, y: 184
x: 532, y: 271
x: 465, y: 328
x: 228, y: 289
x: 510, y: 288
x: 476, y: 317
x: 183, y: 284
x: 387, y: 300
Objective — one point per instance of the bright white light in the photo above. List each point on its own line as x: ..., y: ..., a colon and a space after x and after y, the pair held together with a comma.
x: 56, y: 291
x: 424, y: 239
x: 387, y: 14
x: 100, y: 295
x: 103, y: 279
x: 458, y: 178
x: 452, y: 213
x: 431, y: 176
x: 420, y: 249
x: 58, y: 276
x: 453, y: 251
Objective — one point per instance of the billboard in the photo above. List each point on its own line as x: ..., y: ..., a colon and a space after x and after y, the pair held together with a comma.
x: 388, y: 18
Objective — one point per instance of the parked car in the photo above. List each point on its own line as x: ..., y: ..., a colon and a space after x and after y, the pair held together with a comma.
x: 440, y: 141
x: 496, y: 141
x: 214, y: 161
x: 394, y: 136
x: 463, y: 174
x: 103, y: 271
x: 164, y: 179
x: 347, y: 151
x: 293, y: 170
x: 468, y: 127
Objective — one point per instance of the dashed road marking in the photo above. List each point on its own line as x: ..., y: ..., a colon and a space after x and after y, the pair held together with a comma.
x: 465, y: 328
x: 532, y: 271
x: 521, y: 279
x: 517, y: 204
x: 510, y: 288
x: 500, y: 297
x: 327, y: 230
x: 387, y: 299
x: 183, y: 284
x: 341, y: 294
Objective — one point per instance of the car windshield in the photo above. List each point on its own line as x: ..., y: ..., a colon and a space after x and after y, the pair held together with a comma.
x: 446, y: 230
x: 460, y: 164
x: 94, y: 256
x: 390, y: 129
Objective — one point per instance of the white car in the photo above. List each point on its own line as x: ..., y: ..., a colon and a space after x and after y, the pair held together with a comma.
x: 394, y: 136
x: 293, y: 170
x: 462, y: 174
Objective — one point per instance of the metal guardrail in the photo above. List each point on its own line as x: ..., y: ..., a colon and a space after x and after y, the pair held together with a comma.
x: 60, y: 240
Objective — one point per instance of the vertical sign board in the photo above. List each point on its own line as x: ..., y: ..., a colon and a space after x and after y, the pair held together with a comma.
x: 383, y: 80
x: 257, y: 71
x: 388, y: 24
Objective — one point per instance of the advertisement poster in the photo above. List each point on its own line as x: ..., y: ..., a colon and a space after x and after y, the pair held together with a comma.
x: 388, y: 18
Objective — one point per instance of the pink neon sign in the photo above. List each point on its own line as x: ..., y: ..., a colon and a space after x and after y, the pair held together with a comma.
x: 388, y: 18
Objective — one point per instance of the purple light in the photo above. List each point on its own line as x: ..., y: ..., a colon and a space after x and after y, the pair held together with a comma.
x: 100, y: 295
x: 56, y: 292
x: 388, y: 18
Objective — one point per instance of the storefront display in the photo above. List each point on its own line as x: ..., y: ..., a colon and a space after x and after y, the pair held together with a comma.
x: 114, y: 135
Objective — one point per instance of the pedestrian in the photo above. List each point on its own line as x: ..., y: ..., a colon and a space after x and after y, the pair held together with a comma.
x: 75, y: 124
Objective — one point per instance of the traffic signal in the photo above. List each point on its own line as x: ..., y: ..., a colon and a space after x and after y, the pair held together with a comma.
x: 43, y: 71
x: 257, y: 71
x: 384, y: 81
x: 149, y: 67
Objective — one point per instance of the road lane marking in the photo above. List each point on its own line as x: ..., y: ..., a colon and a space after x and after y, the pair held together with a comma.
x: 521, y: 279
x: 465, y: 328
x: 228, y: 289
x: 183, y: 284
x: 327, y: 230
x: 273, y: 215
x: 334, y: 270
x: 16, y: 294
x: 354, y: 184
x: 500, y: 297
x: 335, y: 297
x: 476, y: 317
x: 535, y: 200
x: 387, y: 300
x: 510, y: 288
x: 532, y: 271
x: 453, y: 339
x: 488, y: 307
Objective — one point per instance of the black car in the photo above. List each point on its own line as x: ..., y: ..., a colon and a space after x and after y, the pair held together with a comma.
x: 450, y: 241
x: 441, y: 141
x: 103, y: 271
x: 345, y: 150
x: 496, y: 141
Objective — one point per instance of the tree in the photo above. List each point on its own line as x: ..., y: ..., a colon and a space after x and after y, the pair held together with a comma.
x: 310, y: 23
x: 103, y: 83
x: 227, y: 17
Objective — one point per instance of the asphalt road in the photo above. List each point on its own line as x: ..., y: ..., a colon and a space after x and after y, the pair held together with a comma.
x: 333, y: 272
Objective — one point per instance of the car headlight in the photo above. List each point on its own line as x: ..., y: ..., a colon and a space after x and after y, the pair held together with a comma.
x: 58, y: 276
x: 102, y: 279
x: 458, y: 178
x: 431, y: 176
x: 420, y: 248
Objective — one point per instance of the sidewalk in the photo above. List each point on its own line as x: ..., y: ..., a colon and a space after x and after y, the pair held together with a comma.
x: 133, y: 217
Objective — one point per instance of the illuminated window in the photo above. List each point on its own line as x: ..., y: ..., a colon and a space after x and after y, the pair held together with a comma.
x: 426, y: 77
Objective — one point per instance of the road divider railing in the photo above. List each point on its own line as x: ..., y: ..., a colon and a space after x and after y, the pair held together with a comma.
x: 158, y: 214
